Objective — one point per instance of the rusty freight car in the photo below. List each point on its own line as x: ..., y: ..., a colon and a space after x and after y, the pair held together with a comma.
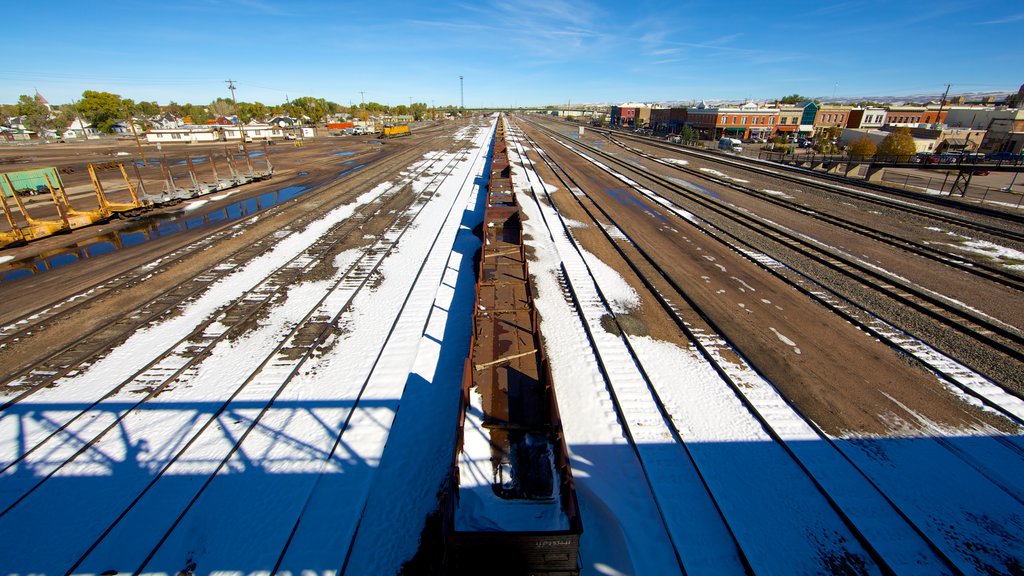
x: 510, y: 506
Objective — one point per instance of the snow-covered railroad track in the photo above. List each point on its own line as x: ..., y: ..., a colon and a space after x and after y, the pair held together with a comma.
x: 929, y: 528
x: 1000, y: 338
x: 179, y: 361
x: 239, y: 388
x: 104, y: 336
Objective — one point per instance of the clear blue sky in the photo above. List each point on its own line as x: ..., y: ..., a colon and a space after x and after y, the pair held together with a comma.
x: 525, y: 52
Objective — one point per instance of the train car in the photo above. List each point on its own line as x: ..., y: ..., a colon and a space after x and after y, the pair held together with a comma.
x: 510, y: 505
x: 395, y: 131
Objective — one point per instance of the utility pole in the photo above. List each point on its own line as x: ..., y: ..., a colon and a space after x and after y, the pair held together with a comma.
x: 131, y: 122
x: 462, y: 95
x: 362, y: 106
x: 938, y: 117
x: 241, y: 127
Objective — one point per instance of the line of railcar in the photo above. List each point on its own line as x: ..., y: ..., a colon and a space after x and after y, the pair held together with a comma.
x: 510, y: 504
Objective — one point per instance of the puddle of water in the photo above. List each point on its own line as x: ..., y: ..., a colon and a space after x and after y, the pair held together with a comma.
x: 303, y: 173
x: 694, y: 187
x: 148, y: 228
x: 343, y: 154
x: 630, y: 200
x: 194, y: 161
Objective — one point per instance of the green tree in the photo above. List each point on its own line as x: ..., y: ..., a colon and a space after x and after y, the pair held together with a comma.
x: 147, y: 108
x: 36, y: 116
x: 863, y: 148
x: 793, y: 99
x: 899, y: 145
x: 250, y: 110
x: 688, y: 134
x: 102, y: 109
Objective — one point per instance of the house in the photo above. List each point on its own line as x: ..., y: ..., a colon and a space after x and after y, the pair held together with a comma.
x: 224, y: 121
x: 80, y: 129
x: 123, y: 127
x: 284, y: 122
x: 165, y: 121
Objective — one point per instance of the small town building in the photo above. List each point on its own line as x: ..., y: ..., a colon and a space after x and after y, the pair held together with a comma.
x: 253, y: 131
x: 184, y: 135
x: 915, y: 116
x: 668, y: 120
x: 851, y: 135
x: 869, y: 117
x: 631, y: 115
x: 831, y: 116
x: 745, y: 121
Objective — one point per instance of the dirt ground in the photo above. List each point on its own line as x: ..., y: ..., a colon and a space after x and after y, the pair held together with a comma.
x: 835, y: 374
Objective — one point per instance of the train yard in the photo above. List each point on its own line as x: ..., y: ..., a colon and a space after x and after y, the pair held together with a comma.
x: 757, y: 370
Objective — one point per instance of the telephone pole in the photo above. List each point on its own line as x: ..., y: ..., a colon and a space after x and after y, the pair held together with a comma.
x: 938, y: 117
x: 241, y: 127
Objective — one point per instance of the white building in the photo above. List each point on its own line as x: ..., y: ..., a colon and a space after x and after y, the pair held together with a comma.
x: 184, y: 135
x: 79, y: 128
x: 253, y: 131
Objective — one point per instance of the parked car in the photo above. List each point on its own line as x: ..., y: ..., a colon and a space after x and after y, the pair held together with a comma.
x: 730, y: 144
x: 925, y: 158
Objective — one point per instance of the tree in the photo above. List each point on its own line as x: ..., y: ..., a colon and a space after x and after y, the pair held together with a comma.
x: 826, y: 139
x: 899, y: 144
x: 222, y: 107
x: 249, y: 110
x: 147, y: 108
x: 688, y: 134
x: 102, y: 109
x: 794, y: 99
x: 36, y: 116
x: 863, y: 148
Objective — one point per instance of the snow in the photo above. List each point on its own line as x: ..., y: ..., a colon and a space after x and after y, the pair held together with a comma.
x: 479, y: 508
x: 226, y: 470
x: 728, y: 445
x: 1003, y: 255
x: 6, y: 259
x: 289, y: 436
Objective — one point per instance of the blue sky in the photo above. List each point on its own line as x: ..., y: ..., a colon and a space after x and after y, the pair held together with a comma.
x: 525, y: 52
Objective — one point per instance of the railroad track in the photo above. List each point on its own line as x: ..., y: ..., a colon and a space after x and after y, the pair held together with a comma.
x: 179, y: 360
x: 631, y: 410
x: 272, y: 373
x: 1005, y: 225
x: 104, y: 336
x: 847, y: 486
x: 1004, y: 339
x: 998, y: 275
